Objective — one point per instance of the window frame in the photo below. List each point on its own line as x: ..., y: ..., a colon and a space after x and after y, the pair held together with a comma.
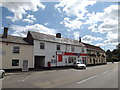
x: 58, y: 47
x: 16, y: 50
x: 72, y: 48
x: 17, y: 63
x: 83, y: 49
x: 42, y: 45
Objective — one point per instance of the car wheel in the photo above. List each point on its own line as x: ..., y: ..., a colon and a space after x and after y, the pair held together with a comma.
x: 84, y: 67
x: 3, y: 74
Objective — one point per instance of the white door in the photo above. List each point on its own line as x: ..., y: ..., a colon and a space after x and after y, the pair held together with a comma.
x: 25, y: 65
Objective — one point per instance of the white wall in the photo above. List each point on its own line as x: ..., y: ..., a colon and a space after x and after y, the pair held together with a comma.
x: 50, y: 51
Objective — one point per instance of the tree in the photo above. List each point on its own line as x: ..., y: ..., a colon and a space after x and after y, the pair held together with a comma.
x: 109, y: 55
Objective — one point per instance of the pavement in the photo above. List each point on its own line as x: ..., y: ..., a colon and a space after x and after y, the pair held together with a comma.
x: 101, y: 76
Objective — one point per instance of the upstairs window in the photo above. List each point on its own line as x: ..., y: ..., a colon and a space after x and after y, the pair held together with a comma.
x: 42, y: 45
x: 16, y: 49
x: 82, y: 49
x: 58, y: 47
x: 72, y: 48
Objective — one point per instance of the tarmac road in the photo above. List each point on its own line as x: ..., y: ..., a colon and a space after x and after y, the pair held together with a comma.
x: 102, y: 76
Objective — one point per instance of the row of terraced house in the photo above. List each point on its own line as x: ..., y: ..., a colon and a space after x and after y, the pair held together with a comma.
x: 39, y: 50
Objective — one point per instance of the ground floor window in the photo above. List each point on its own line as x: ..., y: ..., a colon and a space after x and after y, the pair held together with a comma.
x: 71, y: 59
x: 84, y: 60
x: 90, y: 60
x: 15, y: 62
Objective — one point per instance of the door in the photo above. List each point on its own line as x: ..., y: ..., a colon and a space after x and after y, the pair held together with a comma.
x: 25, y: 65
x: 39, y: 61
x: 94, y: 61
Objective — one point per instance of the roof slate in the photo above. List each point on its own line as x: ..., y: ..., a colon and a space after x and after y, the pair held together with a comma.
x: 13, y: 39
x: 89, y: 46
x: 51, y: 38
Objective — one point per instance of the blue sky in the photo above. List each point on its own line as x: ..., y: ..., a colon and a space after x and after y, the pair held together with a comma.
x: 95, y: 22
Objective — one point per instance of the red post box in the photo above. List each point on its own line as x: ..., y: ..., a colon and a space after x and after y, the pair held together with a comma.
x: 49, y: 64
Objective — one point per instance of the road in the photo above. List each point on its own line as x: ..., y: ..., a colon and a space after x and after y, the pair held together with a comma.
x: 102, y: 76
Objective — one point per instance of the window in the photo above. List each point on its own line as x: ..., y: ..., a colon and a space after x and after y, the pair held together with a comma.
x: 82, y: 49
x: 42, y: 46
x: 16, y: 49
x: 71, y: 59
x: 90, y: 60
x: 15, y: 62
x: 58, y: 47
x: 72, y: 48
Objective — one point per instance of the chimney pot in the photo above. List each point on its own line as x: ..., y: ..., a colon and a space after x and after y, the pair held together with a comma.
x: 58, y: 35
x: 5, y: 32
x: 79, y: 39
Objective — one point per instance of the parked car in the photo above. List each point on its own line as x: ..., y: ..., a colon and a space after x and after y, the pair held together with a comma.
x: 79, y: 65
x: 2, y: 73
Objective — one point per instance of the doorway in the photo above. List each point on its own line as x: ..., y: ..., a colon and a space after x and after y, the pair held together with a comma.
x: 25, y: 65
x: 39, y: 61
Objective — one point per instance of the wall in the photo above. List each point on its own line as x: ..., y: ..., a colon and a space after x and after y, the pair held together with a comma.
x: 50, y: 51
x: 99, y: 59
x: 26, y: 53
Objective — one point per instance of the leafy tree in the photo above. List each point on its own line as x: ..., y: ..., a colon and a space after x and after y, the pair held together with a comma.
x: 109, y: 55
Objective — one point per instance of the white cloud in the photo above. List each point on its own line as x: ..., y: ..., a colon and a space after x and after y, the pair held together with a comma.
x: 46, y: 24
x: 71, y: 24
x: 30, y: 19
x: 73, y: 8
x: 108, y: 19
x: 105, y: 22
x: 76, y: 35
x: 90, y: 39
x: 22, y: 31
x: 20, y: 8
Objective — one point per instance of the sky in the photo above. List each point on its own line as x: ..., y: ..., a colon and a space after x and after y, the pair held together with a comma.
x: 96, y: 22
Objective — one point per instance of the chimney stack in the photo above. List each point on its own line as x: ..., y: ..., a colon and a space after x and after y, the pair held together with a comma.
x: 58, y: 35
x: 5, y: 32
x: 79, y: 39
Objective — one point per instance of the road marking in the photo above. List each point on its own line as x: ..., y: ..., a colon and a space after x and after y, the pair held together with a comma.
x: 94, y: 67
x: 115, y: 69
x: 87, y: 79
x: 26, y: 78
x: 64, y: 70
x: 92, y: 77
x: 104, y: 72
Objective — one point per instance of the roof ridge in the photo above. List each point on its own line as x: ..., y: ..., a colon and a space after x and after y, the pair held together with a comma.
x: 52, y: 35
x: 91, y: 45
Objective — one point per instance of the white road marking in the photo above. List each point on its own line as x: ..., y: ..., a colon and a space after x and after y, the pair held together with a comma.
x: 64, y: 70
x: 115, y: 69
x: 26, y: 78
x: 104, y: 72
x: 87, y: 79
x: 92, y: 77
x: 94, y: 67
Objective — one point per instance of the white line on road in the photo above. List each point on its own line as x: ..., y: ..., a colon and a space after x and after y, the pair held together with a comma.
x: 64, y: 70
x: 92, y: 77
x: 26, y: 78
x: 104, y: 72
x: 115, y: 69
x: 87, y: 79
